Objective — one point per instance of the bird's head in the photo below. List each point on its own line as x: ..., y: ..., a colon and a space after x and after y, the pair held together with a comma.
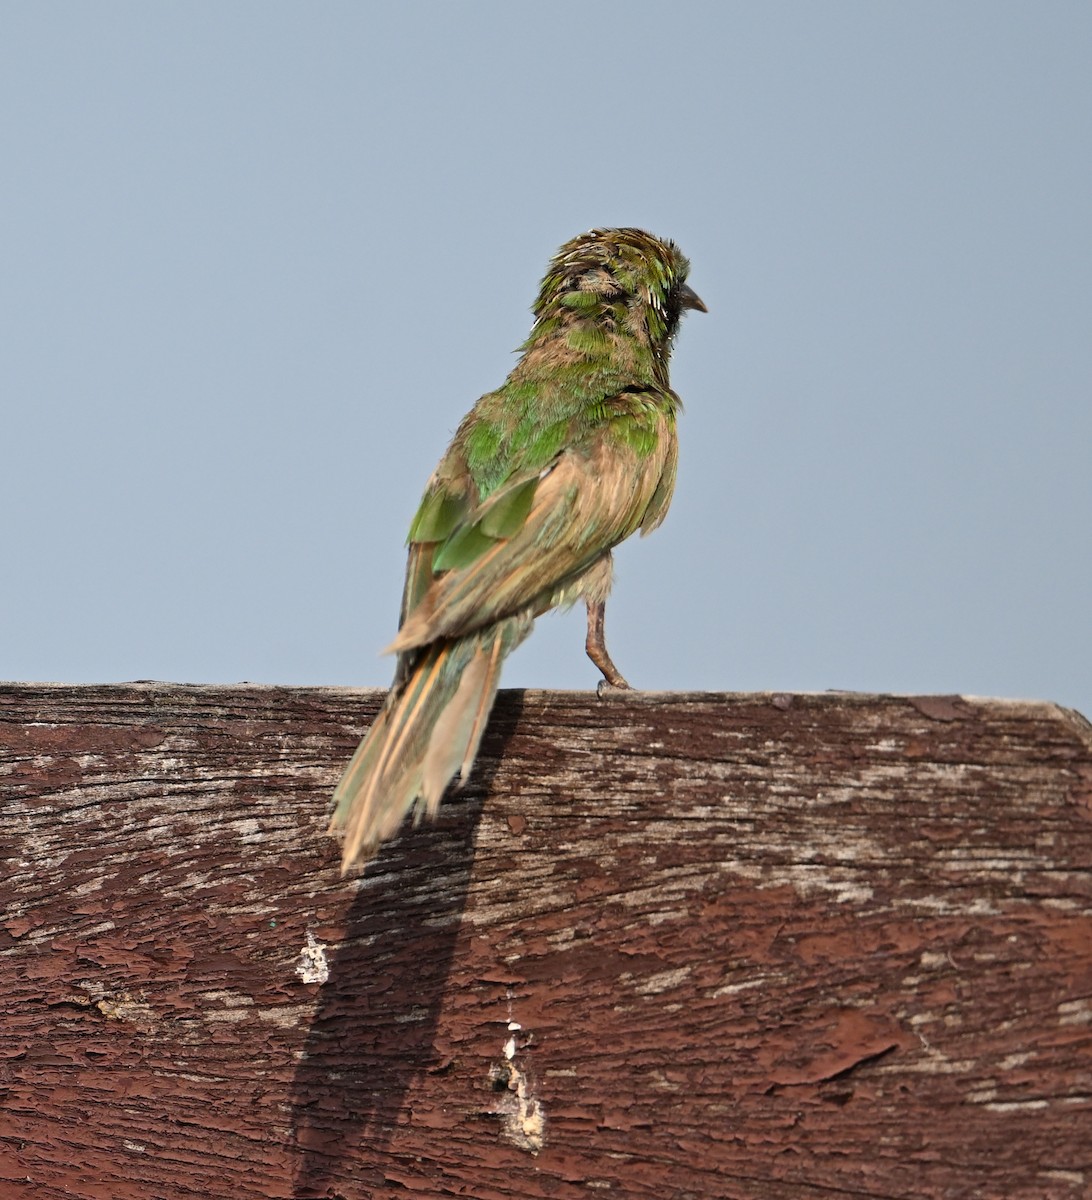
x: 615, y: 282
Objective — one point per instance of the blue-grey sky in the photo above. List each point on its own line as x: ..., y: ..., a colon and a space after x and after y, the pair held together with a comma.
x: 258, y: 258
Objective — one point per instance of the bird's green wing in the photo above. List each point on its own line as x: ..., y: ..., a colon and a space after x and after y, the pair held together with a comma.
x: 536, y: 532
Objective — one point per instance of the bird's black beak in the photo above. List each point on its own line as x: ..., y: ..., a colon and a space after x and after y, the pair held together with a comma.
x: 688, y: 298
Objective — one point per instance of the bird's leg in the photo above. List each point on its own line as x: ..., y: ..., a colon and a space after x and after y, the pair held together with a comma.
x: 596, y: 645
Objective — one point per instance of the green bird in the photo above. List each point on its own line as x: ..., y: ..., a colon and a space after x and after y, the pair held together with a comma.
x: 573, y: 453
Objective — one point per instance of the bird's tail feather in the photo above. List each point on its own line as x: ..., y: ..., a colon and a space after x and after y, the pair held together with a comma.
x: 429, y: 728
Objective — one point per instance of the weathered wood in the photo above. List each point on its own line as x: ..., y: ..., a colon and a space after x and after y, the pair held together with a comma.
x: 756, y: 946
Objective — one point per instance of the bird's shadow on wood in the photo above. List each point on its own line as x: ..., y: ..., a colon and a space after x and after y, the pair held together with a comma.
x: 374, y: 1029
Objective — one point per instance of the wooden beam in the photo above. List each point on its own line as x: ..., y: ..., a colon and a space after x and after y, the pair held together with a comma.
x: 663, y: 946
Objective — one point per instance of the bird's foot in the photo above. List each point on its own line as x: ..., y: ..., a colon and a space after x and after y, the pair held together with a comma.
x: 596, y: 646
x: 610, y: 687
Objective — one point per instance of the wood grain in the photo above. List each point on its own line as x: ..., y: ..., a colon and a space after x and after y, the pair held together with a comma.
x: 755, y: 945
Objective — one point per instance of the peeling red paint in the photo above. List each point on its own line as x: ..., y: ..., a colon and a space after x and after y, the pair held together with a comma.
x: 739, y: 946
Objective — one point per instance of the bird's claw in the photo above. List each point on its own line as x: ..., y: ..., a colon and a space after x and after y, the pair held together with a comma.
x: 608, y: 687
